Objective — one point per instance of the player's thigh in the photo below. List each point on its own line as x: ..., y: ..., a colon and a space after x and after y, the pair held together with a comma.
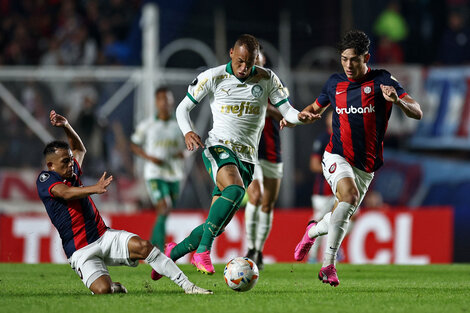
x: 223, y: 166
x: 115, y: 247
x: 254, y: 192
x: 363, y: 181
x: 89, y: 268
x: 335, y: 168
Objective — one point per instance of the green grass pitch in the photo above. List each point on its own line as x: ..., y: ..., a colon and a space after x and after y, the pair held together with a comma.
x: 281, y: 288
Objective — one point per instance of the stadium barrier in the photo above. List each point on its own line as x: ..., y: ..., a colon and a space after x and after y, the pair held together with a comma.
x: 389, y: 236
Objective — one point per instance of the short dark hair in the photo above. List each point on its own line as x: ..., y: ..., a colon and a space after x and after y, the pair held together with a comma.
x: 250, y: 42
x: 355, y: 39
x: 162, y: 89
x: 54, y: 145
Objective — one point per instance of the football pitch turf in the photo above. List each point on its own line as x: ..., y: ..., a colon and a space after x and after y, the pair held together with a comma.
x: 281, y: 288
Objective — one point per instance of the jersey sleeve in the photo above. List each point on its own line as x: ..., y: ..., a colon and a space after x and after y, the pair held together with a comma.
x: 323, y: 99
x: 200, y: 86
x: 392, y: 81
x: 278, y: 94
x: 46, y: 180
x: 138, y: 137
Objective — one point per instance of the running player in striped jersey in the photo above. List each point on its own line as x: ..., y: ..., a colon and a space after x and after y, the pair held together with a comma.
x: 238, y: 92
x: 89, y: 244
x: 362, y: 99
x: 264, y: 189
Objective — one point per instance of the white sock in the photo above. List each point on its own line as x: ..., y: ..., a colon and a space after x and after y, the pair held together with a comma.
x: 265, y: 222
x: 166, y: 267
x: 321, y: 228
x: 337, y: 230
x: 251, y: 222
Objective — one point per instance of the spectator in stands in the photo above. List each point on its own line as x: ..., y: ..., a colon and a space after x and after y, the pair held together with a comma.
x: 455, y: 42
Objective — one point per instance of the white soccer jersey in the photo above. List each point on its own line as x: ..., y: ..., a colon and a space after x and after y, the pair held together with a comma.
x: 163, y: 140
x: 238, y: 106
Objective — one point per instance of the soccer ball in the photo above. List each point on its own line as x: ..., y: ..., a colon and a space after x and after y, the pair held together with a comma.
x: 241, y: 274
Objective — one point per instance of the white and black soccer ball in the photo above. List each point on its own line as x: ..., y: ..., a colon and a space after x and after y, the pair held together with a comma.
x: 241, y: 274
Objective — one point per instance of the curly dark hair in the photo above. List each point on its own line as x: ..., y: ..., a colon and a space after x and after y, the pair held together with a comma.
x: 54, y: 145
x: 355, y: 39
x: 250, y: 42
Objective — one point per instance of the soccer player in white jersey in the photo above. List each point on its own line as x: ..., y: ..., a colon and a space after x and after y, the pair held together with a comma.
x: 158, y: 140
x: 238, y: 92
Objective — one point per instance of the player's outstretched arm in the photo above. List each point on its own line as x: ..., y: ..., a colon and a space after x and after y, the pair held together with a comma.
x: 76, y: 144
x: 71, y: 193
x: 408, y: 105
x: 309, y: 115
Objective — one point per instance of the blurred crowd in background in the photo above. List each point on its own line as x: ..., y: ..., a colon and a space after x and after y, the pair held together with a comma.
x: 108, y: 32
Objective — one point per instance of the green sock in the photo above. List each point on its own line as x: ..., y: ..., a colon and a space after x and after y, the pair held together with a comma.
x: 189, y: 243
x: 159, y: 232
x: 222, y: 209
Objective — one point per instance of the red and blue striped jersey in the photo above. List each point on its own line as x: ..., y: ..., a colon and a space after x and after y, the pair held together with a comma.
x: 78, y: 221
x: 270, y: 142
x: 320, y: 185
x: 360, y: 116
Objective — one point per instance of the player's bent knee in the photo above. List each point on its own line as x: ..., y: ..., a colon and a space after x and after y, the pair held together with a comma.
x: 139, y: 248
x: 102, y: 285
x: 235, y: 193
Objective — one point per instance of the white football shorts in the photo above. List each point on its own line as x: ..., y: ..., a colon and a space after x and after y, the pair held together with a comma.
x: 271, y: 170
x: 111, y: 249
x: 336, y: 167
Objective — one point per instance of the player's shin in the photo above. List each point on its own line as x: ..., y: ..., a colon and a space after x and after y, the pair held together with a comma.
x: 221, y: 210
x: 337, y: 230
x: 189, y: 244
x: 251, y: 222
x: 165, y: 266
x: 264, y: 227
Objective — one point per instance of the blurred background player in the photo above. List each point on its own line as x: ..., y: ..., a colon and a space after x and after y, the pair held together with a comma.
x: 362, y: 100
x: 322, y: 196
x: 264, y: 189
x: 89, y: 244
x: 159, y: 142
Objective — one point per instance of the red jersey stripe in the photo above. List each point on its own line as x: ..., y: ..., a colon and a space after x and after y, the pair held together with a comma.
x: 345, y: 127
x: 78, y: 224
x: 370, y: 128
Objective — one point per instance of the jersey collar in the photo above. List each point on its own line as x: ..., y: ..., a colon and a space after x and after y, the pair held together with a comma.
x: 229, y: 70
x: 361, y: 79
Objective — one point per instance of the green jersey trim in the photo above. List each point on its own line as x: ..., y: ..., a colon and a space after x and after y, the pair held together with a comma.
x: 229, y: 70
x: 191, y: 98
x: 281, y: 102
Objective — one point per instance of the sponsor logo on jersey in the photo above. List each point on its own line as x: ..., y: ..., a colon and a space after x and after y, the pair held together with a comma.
x: 43, y: 177
x: 239, y: 110
x: 354, y: 110
x: 367, y: 90
x: 332, y: 168
x: 194, y: 82
x: 257, y: 91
